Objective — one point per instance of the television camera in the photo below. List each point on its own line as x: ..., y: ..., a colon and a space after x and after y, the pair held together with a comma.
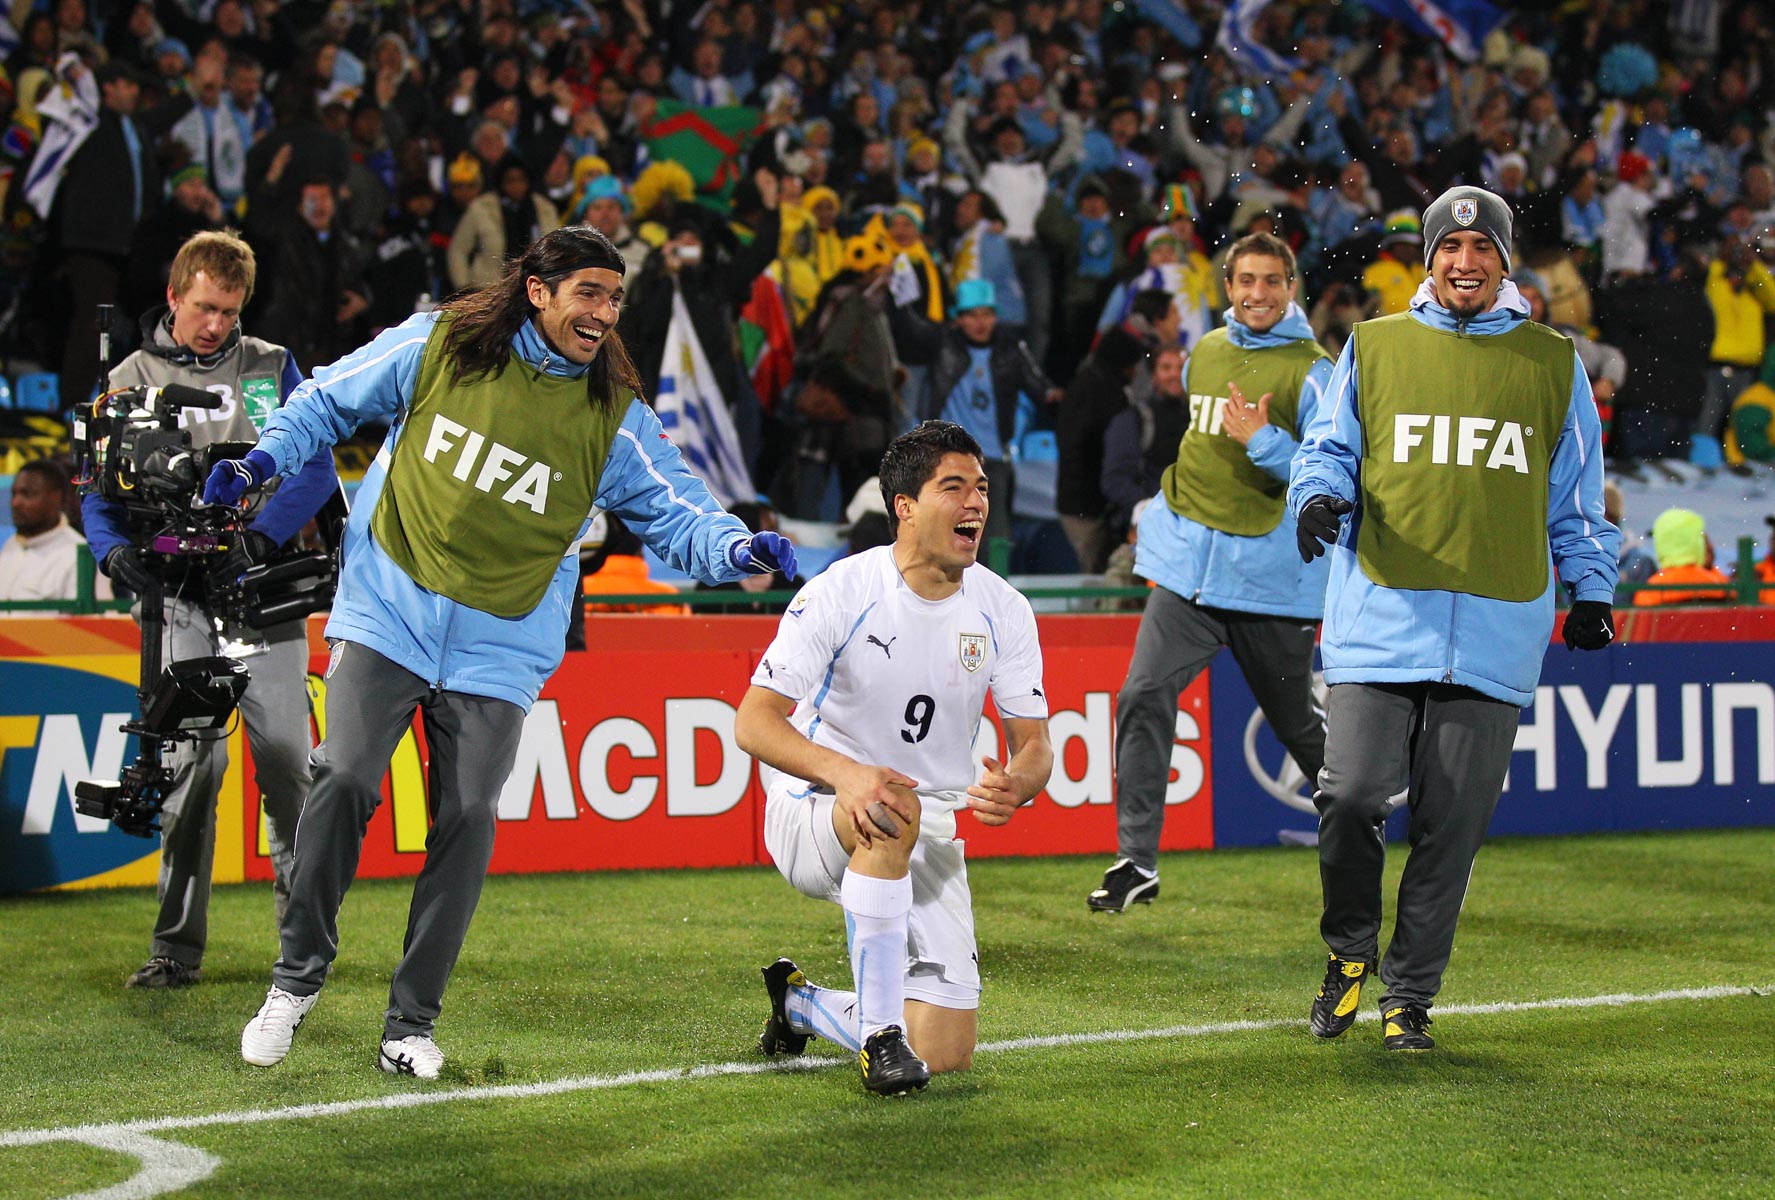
x: 130, y: 449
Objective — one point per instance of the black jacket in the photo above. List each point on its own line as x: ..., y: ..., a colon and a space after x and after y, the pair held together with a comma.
x: 1099, y: 391
x: 1140, y: 443
x: 1669, y: 323
x: 95, y: 204
x: 299, y: 296
x: 923, y: 342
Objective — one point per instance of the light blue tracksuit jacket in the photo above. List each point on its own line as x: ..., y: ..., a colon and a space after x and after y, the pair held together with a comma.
x: 455, y: 646
x: 1376, y: 634
x: 1223, y: 570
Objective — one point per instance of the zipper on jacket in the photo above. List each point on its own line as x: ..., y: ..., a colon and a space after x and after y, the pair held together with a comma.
x: 1202, y: 581
x: 1448, y: 674
x: 444, y: 642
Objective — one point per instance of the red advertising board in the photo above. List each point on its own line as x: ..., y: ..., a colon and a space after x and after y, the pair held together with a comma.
x: 628, y: 759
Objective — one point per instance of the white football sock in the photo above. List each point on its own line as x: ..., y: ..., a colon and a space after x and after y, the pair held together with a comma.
x: 824, y: 1012
x: 875, y: 912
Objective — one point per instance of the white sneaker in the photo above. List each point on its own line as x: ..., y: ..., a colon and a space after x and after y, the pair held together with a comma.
x: 266, y: 1039
x: 414, y: 1054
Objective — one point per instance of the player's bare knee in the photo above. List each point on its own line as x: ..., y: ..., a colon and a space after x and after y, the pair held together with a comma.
x: 884, y: 857
x: 950, y: 1062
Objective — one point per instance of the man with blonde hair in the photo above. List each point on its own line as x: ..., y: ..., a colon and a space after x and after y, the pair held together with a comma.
x: 195, y: 341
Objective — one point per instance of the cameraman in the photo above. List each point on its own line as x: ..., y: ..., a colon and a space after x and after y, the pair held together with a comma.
x: 196, y: 341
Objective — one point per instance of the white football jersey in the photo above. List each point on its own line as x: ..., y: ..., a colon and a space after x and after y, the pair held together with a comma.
x: 890, y: 679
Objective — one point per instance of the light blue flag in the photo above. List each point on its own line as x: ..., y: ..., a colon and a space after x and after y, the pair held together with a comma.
x: 694, y: 414
x: 1174, y: 19
x: 1249, y: 54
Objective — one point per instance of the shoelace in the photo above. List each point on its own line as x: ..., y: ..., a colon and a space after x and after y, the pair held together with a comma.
x: 1334, y: 971
x: 286, y: 1004
x: 1414, y: 1018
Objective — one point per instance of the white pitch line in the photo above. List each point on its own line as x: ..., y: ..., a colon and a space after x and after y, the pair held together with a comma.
x: 584, y: 1083
x: 166, y: 1166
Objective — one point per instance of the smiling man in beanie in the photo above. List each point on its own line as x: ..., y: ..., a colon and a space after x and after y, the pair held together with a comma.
x: 520, y: 416
x: 1461, y: 442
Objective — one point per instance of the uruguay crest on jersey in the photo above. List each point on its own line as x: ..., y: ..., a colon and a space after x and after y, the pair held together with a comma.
x: 973, y: 651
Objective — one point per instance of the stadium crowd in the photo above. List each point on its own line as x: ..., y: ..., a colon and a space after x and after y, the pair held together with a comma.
x: 861, y: 208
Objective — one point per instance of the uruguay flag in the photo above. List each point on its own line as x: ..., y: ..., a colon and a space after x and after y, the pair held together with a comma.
x: 70, y: 112
x: 1249, y: 54
x: 694, y: 414
x: 1461, y: 25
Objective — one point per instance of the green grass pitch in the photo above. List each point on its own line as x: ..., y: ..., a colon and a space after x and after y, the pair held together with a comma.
x: 1176, y: 1061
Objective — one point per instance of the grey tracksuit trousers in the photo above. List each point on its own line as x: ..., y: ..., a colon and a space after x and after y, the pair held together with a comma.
x: 473, y: 741
x: 275, y: 711
x: 1176, y: 642
x: 1450, y: 747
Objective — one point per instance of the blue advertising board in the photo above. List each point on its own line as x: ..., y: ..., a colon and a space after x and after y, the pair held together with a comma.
x: 1657, y: 735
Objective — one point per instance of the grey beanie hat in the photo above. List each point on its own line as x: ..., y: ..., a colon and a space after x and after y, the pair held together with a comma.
x: 1467, y: 207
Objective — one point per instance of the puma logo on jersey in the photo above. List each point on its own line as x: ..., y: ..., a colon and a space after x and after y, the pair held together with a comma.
x: 499, y: 464
x: 886, y: 647
x: 1501, y: 443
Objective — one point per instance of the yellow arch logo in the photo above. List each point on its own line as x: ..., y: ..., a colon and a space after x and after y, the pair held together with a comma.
x: 406, y: 781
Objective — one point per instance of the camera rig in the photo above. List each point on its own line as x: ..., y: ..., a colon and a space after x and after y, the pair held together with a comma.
x: 130, y: 449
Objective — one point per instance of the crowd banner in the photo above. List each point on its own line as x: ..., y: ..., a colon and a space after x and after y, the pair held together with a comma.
x: 628, y: 759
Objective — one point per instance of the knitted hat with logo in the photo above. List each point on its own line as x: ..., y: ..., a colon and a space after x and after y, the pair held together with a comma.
x: 1464, y: 208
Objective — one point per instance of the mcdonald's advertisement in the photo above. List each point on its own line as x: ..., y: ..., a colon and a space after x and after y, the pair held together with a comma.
x: 628, y: 759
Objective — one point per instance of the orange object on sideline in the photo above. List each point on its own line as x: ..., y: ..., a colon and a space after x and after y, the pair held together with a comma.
x: 626, y: 575
x: 1693, y: 573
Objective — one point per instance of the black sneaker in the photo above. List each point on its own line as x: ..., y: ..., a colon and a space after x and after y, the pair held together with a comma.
x: 163, y: 972
x: 1405, y: 1027
x: 1123, y: 884
x: 779, y: 1037
x: 890, y: 1068
x: 1334, y: 1008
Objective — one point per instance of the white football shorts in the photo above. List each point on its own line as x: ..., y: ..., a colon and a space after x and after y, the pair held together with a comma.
x: 942, y: 964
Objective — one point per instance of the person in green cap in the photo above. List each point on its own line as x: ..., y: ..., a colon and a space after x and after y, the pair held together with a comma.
x: 1685, y: 555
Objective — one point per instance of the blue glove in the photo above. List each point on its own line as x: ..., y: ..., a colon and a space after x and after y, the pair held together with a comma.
x: 764, y: 553
x: 234, y: 477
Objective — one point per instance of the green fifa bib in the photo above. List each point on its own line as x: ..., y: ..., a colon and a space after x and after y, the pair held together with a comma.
x: 1458, y: 433
x: 1214, y: 482
x: 491, y: 481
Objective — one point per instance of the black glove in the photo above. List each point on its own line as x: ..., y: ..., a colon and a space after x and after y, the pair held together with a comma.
x: 1589, y: 626
x: 1318, y: 524
x: 129, y: 566
x: 250, y: 549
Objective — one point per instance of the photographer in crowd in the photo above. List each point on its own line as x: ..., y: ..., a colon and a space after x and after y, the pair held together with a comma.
x: 196, y: 341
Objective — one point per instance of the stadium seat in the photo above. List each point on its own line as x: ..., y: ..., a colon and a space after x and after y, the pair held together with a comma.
x: 38, y: 392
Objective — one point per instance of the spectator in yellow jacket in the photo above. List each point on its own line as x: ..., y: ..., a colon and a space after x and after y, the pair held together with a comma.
x: 1740, y: 291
